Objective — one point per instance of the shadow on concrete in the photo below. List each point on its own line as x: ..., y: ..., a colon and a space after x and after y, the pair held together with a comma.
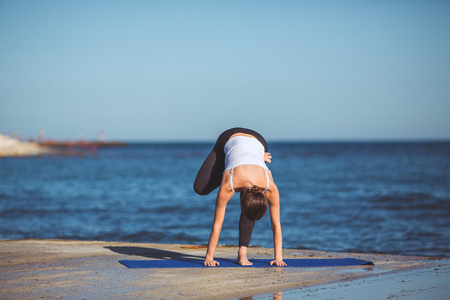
x: 154, y: 253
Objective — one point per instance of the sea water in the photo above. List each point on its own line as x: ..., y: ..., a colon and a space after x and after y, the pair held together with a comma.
x: 357, y: 197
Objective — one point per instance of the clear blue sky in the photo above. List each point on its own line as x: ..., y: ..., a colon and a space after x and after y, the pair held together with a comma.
x: 186, y: 70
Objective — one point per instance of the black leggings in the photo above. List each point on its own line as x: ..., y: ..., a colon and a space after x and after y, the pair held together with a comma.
x: 209, y: 176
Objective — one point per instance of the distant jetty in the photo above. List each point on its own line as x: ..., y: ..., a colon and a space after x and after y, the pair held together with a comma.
x: 13, y: 147
x: 80, y: 144
x: 79, y: 147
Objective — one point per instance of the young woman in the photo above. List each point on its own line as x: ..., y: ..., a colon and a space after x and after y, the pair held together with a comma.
x: 237, y: 163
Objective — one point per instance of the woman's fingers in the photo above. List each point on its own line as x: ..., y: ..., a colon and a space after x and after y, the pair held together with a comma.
x: 278, y: 263
x: 267, y: 157
x: 210, y: 263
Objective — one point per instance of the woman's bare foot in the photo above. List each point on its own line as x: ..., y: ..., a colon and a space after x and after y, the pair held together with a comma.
x: 242, y: 257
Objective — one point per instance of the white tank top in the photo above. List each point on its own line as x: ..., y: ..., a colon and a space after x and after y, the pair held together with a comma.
x: 243, y: 150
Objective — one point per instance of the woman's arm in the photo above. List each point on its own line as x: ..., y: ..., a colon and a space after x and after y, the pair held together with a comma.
x: 223, y: 196
x: 273, y: 198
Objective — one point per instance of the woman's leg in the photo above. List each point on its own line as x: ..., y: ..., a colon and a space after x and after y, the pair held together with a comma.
x: 245, y: 234
x: 245, y: 230
x: 209, y: 176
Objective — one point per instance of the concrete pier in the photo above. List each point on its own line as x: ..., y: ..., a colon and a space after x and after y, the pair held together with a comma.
x: 32, y: 269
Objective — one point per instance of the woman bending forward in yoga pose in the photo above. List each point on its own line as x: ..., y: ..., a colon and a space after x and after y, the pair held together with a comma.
x: 237, y: 163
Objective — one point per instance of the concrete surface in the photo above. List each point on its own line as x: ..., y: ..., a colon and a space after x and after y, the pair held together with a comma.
x: 32, y: 269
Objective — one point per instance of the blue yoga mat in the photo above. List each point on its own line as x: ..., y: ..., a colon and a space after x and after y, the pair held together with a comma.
x: 257, y: 263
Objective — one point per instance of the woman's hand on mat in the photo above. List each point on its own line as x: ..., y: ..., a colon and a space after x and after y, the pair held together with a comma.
x: 210, y: 263
x: 267, y: 157
x: 278, y: 263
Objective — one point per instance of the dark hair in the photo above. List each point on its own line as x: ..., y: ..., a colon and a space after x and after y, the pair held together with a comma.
x: 253, y: 203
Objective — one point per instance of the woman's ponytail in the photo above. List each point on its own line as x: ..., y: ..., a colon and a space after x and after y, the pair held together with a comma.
x: 253, y: 203
x: 254, y: 189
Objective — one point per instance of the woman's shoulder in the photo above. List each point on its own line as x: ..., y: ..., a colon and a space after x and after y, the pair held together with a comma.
x: 273, y: 189
x: 226, y: 184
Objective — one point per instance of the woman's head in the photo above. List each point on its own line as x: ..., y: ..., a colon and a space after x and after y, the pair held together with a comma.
x: 253, y: 203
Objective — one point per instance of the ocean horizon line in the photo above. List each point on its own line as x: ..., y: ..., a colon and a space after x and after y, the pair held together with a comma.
x: 285, y: 141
